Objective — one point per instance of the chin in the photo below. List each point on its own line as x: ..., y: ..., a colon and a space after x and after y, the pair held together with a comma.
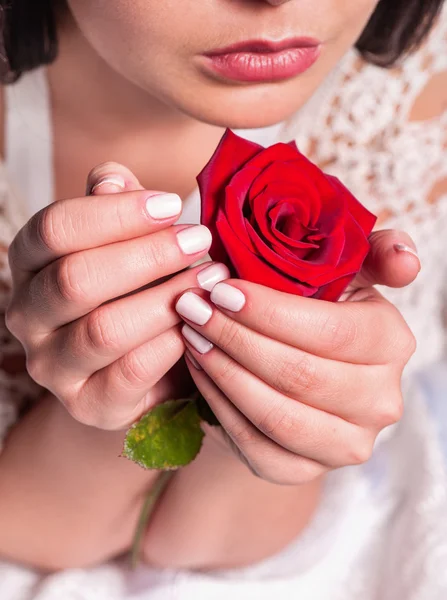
x: 245, y: 107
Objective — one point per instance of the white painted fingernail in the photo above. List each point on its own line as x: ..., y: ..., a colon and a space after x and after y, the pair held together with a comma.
x: 197, y: 341
x: 164, y: 206
x: 228, y: 297
x: 193, y: 361
x: 194, y: 308
x: 194, y: 239
x: 408, y: 250
x: 405, y: 248
x: 212, y: 275
x: 116, y: 183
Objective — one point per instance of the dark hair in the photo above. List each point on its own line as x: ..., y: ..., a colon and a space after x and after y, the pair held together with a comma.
x: 30, y: 36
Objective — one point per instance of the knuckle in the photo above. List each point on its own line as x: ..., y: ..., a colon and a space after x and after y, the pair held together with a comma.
x: 36, y: 368
x: 341, y: 330
x: 135, y: 370
x: 409, y: 343
x: 360, y: 452
x: 300, y: 473
x: 95, y: 403
x: 14, y: 253
x: 231, y: 335
x: 49, y: 231
x: 399, y: 338
x: 344, y: 331
x: 101, y: 331
x: 278, y: 423
x: 81, y: 411
x: 391, y: 411
x: 69, y: 280
x: 225, y: 372
x: 272, y: 315
x: 155, y: 255
x: 241, y: 433
x: 13, y: 319
x: 290, y: 470
x: 299, y: 375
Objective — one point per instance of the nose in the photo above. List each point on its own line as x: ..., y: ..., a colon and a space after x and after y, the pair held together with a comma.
x: 277, y: 2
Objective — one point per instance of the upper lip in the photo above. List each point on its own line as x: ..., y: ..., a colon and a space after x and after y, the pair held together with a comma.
x: 266, y: 46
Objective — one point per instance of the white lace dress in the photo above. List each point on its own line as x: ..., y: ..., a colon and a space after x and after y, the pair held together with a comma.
x: 380, y: 532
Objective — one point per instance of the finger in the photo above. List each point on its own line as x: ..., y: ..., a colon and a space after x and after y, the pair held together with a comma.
x: 299, y: 428
x: 342, y: 331
x: 351, y: 392
x: 110, y: 177
x: 391, y: 261
x: 118, y: 395
x: 68, y: 226
x: 263, y: 456
x: 113, y: 329
x: 73, y: 286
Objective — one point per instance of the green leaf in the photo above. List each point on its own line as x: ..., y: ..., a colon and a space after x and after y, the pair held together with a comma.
x: 167, y: 437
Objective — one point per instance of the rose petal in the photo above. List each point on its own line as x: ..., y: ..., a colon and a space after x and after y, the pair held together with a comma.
x: 362, y: 215
x: 293, y: 267
x: 278, y: 154
x: 333, y: 290
x: 253, y: 268
x: 288, y: 174
x: 354, y: 253
x: 288, y: 227
x: 262, y: 222
x: 230, y: 155
x: 235, y: 201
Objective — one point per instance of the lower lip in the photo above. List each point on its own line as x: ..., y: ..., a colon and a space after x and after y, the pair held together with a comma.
x: 257, y: 67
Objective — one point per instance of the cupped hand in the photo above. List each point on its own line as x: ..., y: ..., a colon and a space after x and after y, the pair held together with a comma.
x: 301, y: 386
x: 96, y: 334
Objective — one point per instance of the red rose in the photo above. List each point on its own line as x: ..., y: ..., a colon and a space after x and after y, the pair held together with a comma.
x: 278, y: 220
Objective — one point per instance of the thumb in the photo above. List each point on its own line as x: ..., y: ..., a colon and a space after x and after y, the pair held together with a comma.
x: 111, y: 178
x: 391, y: 261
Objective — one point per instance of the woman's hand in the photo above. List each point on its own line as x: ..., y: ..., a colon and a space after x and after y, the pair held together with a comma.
x: 96, y: 335
x: 302, y: 386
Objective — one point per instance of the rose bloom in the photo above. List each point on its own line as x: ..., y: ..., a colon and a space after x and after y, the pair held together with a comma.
x: 278, y: 220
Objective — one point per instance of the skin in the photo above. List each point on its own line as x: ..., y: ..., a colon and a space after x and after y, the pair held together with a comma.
x: 107, y: 333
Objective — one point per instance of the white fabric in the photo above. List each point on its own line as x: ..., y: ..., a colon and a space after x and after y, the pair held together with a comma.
x: 380, y: 532
x: 29, y: 140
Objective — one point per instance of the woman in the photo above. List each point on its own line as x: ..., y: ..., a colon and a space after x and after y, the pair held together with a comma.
x: 149, y: 88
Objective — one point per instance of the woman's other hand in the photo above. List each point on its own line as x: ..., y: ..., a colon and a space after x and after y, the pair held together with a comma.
x: 302, y: 386
x: 95, y: 332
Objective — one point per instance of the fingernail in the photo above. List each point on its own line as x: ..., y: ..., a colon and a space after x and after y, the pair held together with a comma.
x: 197, y: 341
x: 193, y: 361
x: 194, y: 308
x: 405, y: 248
x: 228, y: 297
x: 116, y: 183
x: 164, y: 206
x: 210, y: 276
x: 194, y: 239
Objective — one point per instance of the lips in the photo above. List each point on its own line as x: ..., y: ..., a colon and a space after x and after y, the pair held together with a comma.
x: 266, y: 46
x: 260, y: 61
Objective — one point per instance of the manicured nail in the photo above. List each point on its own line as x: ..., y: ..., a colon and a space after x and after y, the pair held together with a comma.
x: 210, y: 276
x: 409, y: 250
x: 228, y: 297
x: 193, y: 361
x: 194, y: 239
x: 197, y: 341
x: 405, y: 248
x: 116, y: 183
x: 194, y: 308
x: 164, y: 206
